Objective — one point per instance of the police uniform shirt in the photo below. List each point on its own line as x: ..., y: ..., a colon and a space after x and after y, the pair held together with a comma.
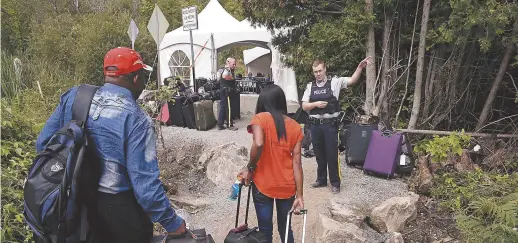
x: 337, y: 84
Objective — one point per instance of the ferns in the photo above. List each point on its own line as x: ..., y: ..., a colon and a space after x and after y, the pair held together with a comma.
x: 491, y: 220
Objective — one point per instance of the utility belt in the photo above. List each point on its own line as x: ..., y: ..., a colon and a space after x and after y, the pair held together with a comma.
x: 316, y: 121
x: 228, y: 90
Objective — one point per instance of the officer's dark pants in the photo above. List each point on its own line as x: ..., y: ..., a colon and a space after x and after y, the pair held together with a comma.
x: 224, y: 108
x: 325, y: 145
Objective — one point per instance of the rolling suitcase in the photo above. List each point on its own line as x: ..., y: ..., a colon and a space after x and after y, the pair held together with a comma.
x: 204, y: 116
x: 244, y: 234
x: 194, y: 236
x: 358, y: 143
x: 188, y: 116
x: 175, y: 111
x: 383, y: 153
x: 235, y: 104
x: 303, y: 212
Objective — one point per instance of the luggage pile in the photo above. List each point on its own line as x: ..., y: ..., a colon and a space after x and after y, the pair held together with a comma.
x: 377, y: 149
x: 193, y: 110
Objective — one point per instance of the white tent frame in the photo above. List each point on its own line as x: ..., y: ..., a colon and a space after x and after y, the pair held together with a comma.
x: 218, y: 30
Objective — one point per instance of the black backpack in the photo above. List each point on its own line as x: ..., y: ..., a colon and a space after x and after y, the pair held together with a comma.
x: 63, y: 180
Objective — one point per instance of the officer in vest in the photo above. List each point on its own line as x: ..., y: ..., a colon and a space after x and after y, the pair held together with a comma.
x: 228, y: 85
x: 321, y: 101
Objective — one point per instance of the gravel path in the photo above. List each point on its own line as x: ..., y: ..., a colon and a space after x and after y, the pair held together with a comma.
x: 218, y: 217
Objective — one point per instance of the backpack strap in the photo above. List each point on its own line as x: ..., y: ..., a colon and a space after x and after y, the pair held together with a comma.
x: 80, y: 111
x: 82, y: 102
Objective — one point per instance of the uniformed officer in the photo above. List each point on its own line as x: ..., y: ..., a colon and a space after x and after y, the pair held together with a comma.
x: 321, y: 101
x: 228, y: 85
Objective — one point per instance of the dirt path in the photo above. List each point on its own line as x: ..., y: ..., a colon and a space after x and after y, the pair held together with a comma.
x: 218, y: 216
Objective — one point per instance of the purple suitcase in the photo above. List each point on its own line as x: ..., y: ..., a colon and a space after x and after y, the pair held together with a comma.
x: 383, y: 153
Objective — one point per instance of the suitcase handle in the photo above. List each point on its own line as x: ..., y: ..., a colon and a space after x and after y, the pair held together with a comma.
x: 288, y: 221
x: 247, y: 202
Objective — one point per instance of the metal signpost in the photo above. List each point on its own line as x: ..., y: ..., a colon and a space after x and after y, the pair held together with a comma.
x: 157, y: 26
x: 190, y: 22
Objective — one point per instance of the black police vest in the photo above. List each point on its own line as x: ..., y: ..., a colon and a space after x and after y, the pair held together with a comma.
x: 227, y: 83
x: 323, y: 93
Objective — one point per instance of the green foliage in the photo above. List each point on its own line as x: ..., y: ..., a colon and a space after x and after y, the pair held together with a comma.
x: 490, y: 220
x: 486, y: 20
x: 17, y: 153
x: 486, y: 204
x: 440, y: 147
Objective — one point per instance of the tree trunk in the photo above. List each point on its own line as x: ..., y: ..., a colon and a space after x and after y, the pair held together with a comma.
x: 371, y: 69
x: 498, y: 79
x: 428, y: 85
x: 420, y: 66
x: 385, y: 76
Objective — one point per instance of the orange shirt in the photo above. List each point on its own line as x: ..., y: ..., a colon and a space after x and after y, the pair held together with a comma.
x: 273, y: 175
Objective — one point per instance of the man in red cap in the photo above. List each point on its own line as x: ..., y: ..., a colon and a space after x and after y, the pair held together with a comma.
x: 130, y: 194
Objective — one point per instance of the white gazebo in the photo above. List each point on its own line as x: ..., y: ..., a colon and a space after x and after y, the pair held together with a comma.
x: 218, y: 30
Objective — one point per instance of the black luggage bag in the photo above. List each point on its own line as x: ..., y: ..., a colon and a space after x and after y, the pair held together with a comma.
x: 235, y: 104
x: 188, y: 115
x: 244, y: 234
x: 358, y: 142
x: 176, y: 112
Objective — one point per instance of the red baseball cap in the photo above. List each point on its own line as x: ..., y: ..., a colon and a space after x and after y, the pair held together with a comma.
x: 126, y: 60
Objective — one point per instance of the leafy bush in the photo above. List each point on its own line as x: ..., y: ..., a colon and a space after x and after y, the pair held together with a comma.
x: 485, y: 204
x: 490, y: 220
x: 17, y: 152
x: 440, y: 147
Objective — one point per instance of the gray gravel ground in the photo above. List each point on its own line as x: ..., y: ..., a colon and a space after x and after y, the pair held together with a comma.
x: 218, y: 217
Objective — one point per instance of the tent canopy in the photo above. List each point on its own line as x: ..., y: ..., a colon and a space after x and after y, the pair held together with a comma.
x: 218, y: 30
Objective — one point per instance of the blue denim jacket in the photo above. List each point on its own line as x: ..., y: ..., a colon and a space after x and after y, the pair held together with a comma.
x: 126, y: 141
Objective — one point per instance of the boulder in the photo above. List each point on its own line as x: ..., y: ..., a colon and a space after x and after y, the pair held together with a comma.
x: 395, y: 237
x: 394, y: 213
x: 223, y: 163
x: 343, y: 212
x: 333, y: 231
x: 425, y: 177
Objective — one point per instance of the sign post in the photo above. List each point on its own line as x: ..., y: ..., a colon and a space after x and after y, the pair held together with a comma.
x: 190, y: 22
x: 157, y: 26
x: 132, y: 33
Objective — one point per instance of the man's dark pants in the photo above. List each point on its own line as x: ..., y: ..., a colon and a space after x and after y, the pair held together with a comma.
x: 120, y: 218
x: 325, y: 145
x: 224, y: 108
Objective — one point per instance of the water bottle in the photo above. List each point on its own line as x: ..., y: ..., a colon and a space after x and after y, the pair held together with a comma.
x: 234, y: 191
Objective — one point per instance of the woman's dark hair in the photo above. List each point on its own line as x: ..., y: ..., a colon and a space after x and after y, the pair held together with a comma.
x: 273, y: 100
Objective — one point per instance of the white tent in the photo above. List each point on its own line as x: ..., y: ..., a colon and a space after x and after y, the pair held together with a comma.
x: 258, y: 60
x: 218, y: 30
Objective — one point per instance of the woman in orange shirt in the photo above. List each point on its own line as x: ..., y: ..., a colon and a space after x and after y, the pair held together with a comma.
x: 275, y: 164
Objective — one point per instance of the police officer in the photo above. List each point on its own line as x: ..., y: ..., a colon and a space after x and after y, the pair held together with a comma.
x: 321, y: 101
x: 228, y: 85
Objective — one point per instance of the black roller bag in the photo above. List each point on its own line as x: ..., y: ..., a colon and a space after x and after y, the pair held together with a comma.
x: 358, y: 142
x: 176, y: 111
x: 235, y: 104
x: 244, y: 234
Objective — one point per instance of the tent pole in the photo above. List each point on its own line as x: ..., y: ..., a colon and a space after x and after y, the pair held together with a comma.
x: 192, y: 65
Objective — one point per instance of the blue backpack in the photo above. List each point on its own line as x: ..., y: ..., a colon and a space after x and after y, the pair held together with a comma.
x: 63, y: 180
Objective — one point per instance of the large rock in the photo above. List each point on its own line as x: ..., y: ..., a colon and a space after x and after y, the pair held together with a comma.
x: 342, y: 211
x: 223, y: 163
x: 395, y: 237
x: 394, y: 213
x: 333, y: 231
